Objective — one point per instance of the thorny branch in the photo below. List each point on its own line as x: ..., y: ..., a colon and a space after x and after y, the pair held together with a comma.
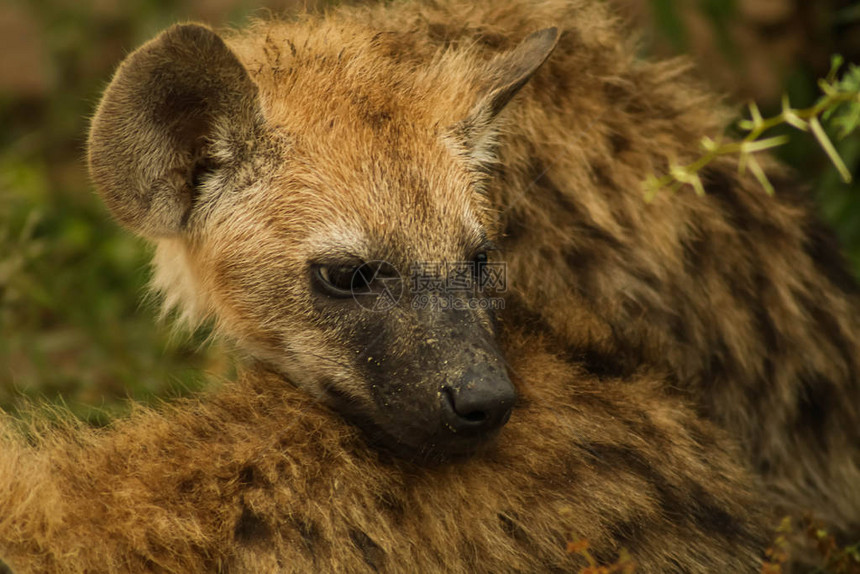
x: 839, y: 105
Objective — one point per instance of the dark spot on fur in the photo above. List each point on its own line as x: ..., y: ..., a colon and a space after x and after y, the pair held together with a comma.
x: 514, y: 229
x: 309, y: 533
x: 186, y: 486
x: 627, y: 534
x: 391, y: 505
x: 370, y: 551
x: 768, y: 332
x: 710, y: 517
x: 672, y: 502
x: 250, y: 528
x: 720, y: 366
x: 518, y: 313
x: 584, y: 227
x: 381, y: 117
x: 722, y: 187
x: 646, y: 276
x: 605, y: 365
x: 511, y: 527
x: 252, y: 477
x: 615, y: 458
x: 376, y: 114
x: 691, y: 504
x: 618, y: 95
x: 817, y: 397
x: 679, y: 327
x: 189, y: 485
x: 441, y: 34
x: 829, y: 325
x: 825, y: 252
x: 558, y: 198
x: 632, y: 307
x: 603, y: 176
x: 591, y: 243
x: 619, y: 143
x: 696, y: 252
x: 742, y: 208
x: 247, y: 476
x: 581, y: 263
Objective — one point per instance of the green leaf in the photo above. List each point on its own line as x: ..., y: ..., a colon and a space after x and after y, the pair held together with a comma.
x: 830, y: 150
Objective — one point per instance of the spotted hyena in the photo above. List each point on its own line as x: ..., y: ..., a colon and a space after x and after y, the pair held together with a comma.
x: 296, y: 177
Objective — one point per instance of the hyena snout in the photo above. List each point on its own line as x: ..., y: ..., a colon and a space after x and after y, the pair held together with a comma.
x: 480, y: 403
x: 438, y: 382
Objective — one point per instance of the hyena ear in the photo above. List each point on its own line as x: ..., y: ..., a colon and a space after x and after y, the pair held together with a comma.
x: 150, y: 137
x: 507, y: 74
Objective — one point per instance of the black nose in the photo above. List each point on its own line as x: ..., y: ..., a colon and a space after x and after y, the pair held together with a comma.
x: 480, y: 403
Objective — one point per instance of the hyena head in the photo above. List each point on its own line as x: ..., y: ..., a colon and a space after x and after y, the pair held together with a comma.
x: 326, y: 208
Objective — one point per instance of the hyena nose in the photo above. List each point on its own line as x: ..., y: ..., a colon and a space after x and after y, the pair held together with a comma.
x: 480, y: 403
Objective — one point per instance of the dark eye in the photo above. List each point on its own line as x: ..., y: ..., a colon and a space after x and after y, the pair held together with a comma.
x: 341, y: 280
x: 349, y: 279
x: 480, y: 260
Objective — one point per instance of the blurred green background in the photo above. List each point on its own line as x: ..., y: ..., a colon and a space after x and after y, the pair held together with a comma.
x: 74, y: 324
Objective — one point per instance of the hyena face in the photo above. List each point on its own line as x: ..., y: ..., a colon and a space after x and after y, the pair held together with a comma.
x: 306, y: 210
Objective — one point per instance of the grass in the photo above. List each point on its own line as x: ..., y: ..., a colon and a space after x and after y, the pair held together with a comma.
x: 75, y: 326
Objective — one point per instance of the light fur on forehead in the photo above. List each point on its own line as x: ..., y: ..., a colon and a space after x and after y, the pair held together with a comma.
x: 336, y: 237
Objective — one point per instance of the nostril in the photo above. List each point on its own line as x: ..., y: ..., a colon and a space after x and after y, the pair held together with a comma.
x: 474, y: 416
x: 468, y: 412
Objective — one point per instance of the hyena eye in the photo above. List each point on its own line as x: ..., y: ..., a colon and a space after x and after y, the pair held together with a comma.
x: 344, y: 280
x: 480, y: 260
x: 340, y: 280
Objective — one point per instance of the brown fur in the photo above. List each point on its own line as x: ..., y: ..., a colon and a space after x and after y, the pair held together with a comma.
x: 744, y: 297
x: 257, y: 477
x: 392, y: 132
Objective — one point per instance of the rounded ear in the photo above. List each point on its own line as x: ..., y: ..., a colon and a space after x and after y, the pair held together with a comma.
x: 148, y: 138
x: 505, y: 76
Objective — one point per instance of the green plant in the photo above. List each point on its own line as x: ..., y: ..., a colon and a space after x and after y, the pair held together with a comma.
x: 839, y: 106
